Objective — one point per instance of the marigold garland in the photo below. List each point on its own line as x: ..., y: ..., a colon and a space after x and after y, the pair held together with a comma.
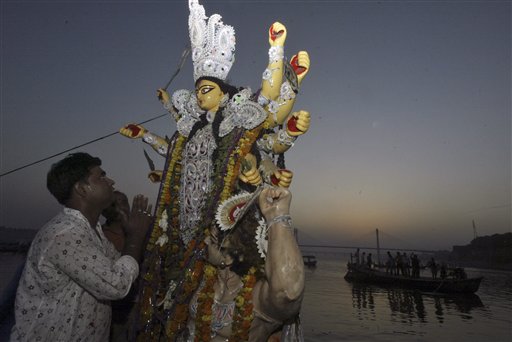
x: 243, y: 315
x: 165, y: 263
x: 205, y: 300
x: 235, y: 160
x: 243, y: 308
x: 158, y: 259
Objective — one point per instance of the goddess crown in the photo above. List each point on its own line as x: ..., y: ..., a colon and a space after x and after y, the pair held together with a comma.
x: 213, y: 43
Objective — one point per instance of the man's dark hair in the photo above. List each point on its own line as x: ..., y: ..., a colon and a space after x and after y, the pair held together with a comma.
x: 64, y: 174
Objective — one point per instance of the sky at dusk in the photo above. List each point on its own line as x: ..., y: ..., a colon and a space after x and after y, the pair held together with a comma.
x: 410, y: 104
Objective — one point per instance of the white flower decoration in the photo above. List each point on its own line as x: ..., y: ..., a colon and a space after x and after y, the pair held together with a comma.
x: 162, y: 240
x: 163, y: 223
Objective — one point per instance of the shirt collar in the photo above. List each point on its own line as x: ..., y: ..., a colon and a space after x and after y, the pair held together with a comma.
x: 78, y: 214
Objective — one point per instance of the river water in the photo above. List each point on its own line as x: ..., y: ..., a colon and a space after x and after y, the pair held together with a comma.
x: 335, y: 310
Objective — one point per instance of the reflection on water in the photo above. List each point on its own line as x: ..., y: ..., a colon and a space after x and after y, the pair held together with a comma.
x: 407, y: 305
x: 336, y: 310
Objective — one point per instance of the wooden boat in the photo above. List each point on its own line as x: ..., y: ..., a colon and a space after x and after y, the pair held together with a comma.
x: 362, y: 274
x: 309, y: 260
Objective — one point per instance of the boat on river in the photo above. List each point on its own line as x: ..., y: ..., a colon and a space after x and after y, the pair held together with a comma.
x: 362, y: 274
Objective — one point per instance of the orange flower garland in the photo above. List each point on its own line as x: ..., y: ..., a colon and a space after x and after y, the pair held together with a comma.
x: 235, y: 160
x: 244, y: 315
x: 153, y: 263
x: 205, y: 300
x: 167, y: 261
x: 173, y: 169
x: 177, y: 322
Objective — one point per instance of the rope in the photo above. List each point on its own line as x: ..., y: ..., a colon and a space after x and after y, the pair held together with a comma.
x: 184, y: 55
x: 74, y: 148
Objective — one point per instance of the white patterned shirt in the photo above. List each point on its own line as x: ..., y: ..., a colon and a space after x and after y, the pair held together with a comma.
x: 70, y: 277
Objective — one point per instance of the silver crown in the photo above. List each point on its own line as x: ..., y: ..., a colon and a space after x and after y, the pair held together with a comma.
x: 213, y: 43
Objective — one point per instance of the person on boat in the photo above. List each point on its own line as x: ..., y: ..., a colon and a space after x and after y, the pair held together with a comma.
x: 238, y: 271
x: 228, y: 141
x: 406, y: 264
x: 415, y: 265
x: 390, y: 264
x: 399, y: 264
x: 363, y: 260
x: 369, y: 262
x: 433, y: 268
x: 357, y: 257
x: 72, y: 271
x: 443, y: 270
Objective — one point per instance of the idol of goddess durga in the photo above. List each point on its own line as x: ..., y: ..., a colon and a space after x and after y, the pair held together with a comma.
x: 229, y: 142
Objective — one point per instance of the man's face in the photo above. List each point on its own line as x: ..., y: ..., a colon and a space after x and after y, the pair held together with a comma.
x: 100, y: 188
x: 208, y: 95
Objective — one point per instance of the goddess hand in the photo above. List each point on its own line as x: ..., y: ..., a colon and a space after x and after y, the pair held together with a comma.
x: 298, y: 123
x: 300, y: 64
x: 155, y: 176
x: 282, y: 178
x: 132, y: 131
x: 250, y: 173
x: 163, y: 95
x: 277, y: 34
x: 274, y: 202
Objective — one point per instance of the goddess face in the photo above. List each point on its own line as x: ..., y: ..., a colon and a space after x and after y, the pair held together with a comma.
x: 209, y: 95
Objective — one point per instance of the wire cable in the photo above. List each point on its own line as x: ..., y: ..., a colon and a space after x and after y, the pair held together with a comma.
x: 184, y: 56
x: 74, y: 148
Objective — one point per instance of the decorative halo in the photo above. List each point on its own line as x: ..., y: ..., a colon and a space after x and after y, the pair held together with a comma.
x: 228, y: 211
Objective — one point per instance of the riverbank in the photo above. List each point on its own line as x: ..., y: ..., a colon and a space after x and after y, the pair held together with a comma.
x: 486, y: 252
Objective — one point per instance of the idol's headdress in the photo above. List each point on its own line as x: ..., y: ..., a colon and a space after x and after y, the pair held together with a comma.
x: 212, y: 42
